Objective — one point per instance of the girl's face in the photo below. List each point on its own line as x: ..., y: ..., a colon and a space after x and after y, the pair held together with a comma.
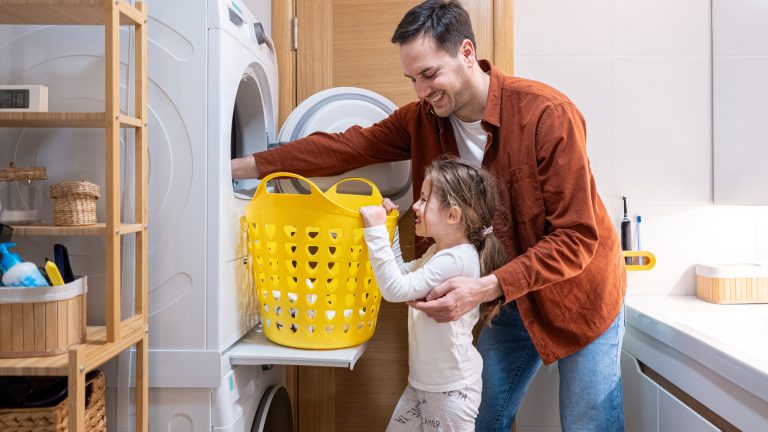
x: 431, y: 217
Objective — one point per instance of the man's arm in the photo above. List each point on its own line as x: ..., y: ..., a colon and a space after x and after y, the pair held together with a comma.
x: 324, y: 154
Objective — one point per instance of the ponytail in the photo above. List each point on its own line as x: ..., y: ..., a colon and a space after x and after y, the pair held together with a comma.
x: 492, y: 257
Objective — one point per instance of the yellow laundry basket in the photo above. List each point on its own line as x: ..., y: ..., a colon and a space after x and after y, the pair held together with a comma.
x: 313, y: 279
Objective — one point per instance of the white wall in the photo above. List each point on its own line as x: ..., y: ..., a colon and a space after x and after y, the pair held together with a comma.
x: 762, y: 234
x: 640, y: 71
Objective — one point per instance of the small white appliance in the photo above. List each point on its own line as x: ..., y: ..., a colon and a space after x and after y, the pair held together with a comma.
x: 30, y: 98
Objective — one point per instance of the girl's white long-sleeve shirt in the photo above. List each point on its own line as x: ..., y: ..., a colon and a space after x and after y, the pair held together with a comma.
x: 441, y: 356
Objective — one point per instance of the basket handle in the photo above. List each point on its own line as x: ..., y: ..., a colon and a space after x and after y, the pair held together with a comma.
x: 375, y: 193
x: 262, y: 189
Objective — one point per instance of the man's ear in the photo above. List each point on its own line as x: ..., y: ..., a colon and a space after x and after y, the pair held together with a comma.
x: 454, y: 215
x: 467, y: 51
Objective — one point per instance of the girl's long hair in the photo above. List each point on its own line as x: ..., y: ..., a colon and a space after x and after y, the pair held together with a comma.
x: 474, y: 191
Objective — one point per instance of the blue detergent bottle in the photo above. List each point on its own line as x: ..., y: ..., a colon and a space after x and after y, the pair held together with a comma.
x: 17, y: 273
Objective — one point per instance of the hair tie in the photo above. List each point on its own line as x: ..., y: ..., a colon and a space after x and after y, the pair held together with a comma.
x: 487, y: 230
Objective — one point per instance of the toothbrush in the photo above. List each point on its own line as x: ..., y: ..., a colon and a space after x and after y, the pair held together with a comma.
x: 626, y: 233
x: 637, y: 231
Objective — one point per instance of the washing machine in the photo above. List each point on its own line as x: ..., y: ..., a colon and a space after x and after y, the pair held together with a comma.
x: 212, y: 95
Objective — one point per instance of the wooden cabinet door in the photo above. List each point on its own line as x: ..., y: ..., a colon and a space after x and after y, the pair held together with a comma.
x: 347, y: 43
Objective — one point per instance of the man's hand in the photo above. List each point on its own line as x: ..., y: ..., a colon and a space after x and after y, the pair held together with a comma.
x: 244, y: 167
x: 455, y: 297
x: 389, y: 205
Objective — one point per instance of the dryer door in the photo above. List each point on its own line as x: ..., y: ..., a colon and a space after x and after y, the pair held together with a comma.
x: 335, y: 110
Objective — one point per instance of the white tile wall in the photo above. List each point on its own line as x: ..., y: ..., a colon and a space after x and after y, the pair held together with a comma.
x: 738, y: 154
x: 661, y: 93
x: 762, y: 235
x: 562, y: 27
x: 732, y: 110
x: 661, y: 166
x: 740, y: 65
x: 742, y: 25
x: 600, y: 159
x: 660, y: 28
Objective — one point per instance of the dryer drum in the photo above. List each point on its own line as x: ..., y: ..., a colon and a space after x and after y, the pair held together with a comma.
x: 274, y: 412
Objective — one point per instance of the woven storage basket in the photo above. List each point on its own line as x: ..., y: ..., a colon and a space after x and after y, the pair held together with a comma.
x: 55, y: 418
x: 42, y: 321
x: 732, y: 283
x: 19, y: 174
x: 74, y: 203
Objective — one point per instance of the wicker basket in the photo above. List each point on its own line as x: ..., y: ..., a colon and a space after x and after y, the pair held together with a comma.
x: 74, y: 203
x: 732, y: 283
x: 12, y: 173
x: 55, y: 418
x: 42, y: 321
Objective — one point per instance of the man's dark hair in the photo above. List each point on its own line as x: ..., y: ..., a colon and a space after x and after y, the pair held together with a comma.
x: 446, y: 21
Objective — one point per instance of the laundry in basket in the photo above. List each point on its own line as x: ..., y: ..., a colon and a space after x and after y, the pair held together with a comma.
x: 314, y: 282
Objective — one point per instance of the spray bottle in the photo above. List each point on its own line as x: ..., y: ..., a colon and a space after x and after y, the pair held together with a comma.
x: 17, y: 273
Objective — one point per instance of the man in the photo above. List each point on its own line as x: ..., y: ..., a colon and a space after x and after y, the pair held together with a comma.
x: 564, y: 285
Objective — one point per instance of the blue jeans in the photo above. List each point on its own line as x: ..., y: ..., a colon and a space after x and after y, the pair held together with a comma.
x: 590, y: 380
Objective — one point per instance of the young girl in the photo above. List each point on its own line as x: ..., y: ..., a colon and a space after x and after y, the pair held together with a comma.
x: 456, y: 211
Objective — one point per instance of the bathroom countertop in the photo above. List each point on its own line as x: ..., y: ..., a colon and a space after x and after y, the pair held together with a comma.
x: 731, y: 340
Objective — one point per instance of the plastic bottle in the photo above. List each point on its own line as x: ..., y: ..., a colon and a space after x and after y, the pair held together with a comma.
x: 17, y: 273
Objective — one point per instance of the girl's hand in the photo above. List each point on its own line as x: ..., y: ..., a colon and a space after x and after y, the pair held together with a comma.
x: 377, y: 215
x: 373, y: 215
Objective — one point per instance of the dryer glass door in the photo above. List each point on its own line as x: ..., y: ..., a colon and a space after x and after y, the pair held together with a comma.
x: 251, y: 125
x: 335, y: 110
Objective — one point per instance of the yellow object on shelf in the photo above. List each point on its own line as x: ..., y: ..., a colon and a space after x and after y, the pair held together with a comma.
x: 53, y: 273
x: 646, y: 260
x: 315, y: 285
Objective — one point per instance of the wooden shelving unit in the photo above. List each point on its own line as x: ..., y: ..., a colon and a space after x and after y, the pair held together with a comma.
x: 103, y: 342
x: 99, y: 229
x: 64, y: 119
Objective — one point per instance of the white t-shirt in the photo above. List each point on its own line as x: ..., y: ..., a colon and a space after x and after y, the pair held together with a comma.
x: 471, y: 139
x: 441, y: 356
